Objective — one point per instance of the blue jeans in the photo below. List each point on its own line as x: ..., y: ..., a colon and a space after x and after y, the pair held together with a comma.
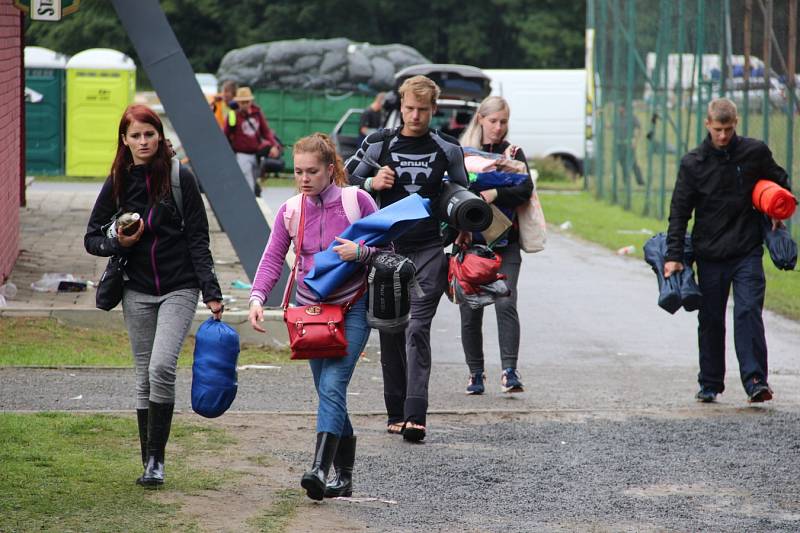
x: 746, y: 275
x: 332, y: 375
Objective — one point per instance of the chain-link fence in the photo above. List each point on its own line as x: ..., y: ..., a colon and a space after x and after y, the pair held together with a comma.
x: 655, y: 65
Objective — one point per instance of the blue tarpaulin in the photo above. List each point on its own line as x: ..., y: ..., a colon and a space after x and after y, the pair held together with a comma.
x: 377, y: 229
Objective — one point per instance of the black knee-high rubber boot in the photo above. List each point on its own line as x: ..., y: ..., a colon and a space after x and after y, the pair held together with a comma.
x: 314, y: 480
x: 141, y: 419
x: 159, y: 421
x: 342, y: 482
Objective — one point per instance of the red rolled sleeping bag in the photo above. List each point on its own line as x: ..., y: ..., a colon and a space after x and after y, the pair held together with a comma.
x: 773, y: 200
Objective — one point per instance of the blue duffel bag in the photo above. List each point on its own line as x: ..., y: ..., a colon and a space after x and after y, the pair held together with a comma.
x: 214, y: 381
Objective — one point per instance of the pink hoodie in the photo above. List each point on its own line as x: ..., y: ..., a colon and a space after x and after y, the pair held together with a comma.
x: 325, y: 219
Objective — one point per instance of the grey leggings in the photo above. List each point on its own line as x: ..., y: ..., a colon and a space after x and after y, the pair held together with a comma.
x: 157, y: 327
x: 507, y: 318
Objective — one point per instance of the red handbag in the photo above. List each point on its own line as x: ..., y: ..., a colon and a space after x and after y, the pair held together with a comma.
x: 315, y: 331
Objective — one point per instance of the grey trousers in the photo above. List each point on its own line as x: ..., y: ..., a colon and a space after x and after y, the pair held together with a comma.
x: 157, y: 327
x: 507, y: 318
x: 406, y: 356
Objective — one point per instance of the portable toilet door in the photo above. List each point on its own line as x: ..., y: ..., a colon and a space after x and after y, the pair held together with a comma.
x: 44, y: 111
x: 101, y: 83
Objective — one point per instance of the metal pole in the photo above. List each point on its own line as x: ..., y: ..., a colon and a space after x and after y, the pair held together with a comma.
x: 628, y: 153
x: 791, y: 85
x: 666, y: 15
x: 602, y: 109
x: 701, y: 14
x: 723, y: 55
x: 748, y: 15
x: 767, y: 67
x: 591, y: 99
x: 660, y: 56
x: 617, y: 67
x: 679, y: 86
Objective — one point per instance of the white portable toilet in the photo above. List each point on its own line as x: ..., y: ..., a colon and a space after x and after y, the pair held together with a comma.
x: 101, y: 83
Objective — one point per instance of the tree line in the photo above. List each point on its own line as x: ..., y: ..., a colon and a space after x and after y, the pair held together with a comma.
x: 486, y: 34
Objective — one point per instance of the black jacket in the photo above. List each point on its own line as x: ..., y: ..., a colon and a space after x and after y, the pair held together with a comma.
x: 166, y: 258
x: 717, y: 185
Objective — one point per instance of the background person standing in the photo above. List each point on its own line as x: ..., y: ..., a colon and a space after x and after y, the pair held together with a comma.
x: 715, y: 181
x: 250, y: 137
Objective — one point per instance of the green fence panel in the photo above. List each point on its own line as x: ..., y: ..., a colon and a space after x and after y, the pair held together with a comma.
x: 295, y: 114
x: 657, y: 64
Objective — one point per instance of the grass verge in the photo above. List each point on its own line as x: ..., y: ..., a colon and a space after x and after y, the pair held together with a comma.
x: 46, y: 342
x: 282, y: 510
x: 72, y: 179
x: 67, y: 472
x: 613, y: 227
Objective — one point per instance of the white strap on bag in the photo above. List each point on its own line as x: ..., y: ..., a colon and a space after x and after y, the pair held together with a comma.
x: 291, y: 216
x: 532, y: 226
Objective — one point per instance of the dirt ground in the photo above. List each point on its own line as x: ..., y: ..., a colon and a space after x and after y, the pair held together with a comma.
x: 260, y: 479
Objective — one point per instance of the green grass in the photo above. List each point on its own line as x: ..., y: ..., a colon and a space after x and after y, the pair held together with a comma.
x: 46, y: 342
x: 613, y: 227
x: 78, y: 179
x: 277, y: 517
x: 66, y: 472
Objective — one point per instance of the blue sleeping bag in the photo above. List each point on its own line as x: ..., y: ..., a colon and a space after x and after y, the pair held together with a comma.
x: 214, y: 381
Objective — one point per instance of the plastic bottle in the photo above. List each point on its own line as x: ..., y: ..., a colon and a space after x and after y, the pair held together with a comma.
x: 626, y: 250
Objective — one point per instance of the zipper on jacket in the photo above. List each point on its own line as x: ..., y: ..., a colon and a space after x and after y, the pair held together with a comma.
x: 321, y: 219
x: 153, y: 264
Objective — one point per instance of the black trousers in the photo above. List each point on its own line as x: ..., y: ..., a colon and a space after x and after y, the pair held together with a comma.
x: 746, y: 276
x: 406, y: 356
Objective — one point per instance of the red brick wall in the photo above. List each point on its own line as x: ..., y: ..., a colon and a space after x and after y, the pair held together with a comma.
x: 10, y: 121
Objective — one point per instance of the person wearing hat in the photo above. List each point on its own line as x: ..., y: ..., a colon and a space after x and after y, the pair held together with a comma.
x: 251, y: 137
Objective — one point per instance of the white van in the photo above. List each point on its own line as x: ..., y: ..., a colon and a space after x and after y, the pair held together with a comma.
x: 547, y: 112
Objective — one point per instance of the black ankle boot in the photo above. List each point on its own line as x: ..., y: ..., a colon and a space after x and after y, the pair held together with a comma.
x: 159, y: 421
x: 342, y: 482
x: 314, y: 480
x: 141, y: 419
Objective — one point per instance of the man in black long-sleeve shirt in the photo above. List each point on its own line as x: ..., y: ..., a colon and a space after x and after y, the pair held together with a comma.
x: 392, y: 164
x: 716, y: 181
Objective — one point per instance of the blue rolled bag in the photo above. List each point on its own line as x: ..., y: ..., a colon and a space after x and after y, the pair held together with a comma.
x: 214, y: 379
x: 680, y: 289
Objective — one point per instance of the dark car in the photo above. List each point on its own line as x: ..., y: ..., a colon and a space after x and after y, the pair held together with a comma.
x: 463, y: 88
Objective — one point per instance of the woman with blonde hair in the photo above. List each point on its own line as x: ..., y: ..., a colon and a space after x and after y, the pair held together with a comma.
x: 320, y: 177
x: 487, y: 132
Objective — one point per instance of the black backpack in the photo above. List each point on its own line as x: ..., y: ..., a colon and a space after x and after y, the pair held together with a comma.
x: 391, y: 277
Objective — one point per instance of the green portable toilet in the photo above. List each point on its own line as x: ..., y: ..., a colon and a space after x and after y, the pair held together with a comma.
x: 44, y: 111
x: 101, y: 83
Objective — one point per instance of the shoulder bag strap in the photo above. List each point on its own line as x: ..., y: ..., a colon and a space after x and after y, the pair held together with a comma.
x: 298, y: 249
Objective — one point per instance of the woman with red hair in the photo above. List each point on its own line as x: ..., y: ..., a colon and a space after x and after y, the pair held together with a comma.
x: 168, y: 264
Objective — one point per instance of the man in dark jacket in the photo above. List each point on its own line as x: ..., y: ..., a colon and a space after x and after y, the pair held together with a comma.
x: 716, y: 181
